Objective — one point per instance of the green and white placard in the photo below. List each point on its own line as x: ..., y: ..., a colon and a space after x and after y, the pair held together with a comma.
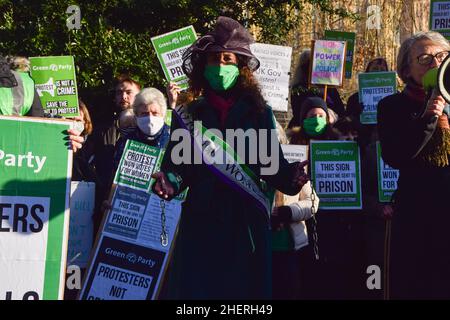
x: 336, y: 174
x: 34, y: 208
x: 374, y: 86
x: 387, y: 178
x: 129, y: 257
x: 349, y: 37
x: 136, y: 165
x: 440, y: 17
x: 169, y: 48
x: 56, y: 84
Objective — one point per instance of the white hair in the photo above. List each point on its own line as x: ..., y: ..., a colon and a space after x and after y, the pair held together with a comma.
x: 148, y: 96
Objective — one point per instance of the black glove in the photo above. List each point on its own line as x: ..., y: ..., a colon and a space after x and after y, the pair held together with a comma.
x: 281, y: 217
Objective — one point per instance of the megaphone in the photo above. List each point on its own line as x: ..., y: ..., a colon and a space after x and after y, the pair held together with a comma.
x: 48, y: 87
x: 438, y: 78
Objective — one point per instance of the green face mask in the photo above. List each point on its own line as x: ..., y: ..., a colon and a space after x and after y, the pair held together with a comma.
x: 221, y: 78
x: 315, y: 126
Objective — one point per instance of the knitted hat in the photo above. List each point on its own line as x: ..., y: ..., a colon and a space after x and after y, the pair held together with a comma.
x: 228, y: 36
x: 311, y: 103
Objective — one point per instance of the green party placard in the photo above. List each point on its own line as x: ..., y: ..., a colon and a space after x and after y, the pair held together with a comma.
x: 336, y: 174
x: 387, y: 178
x: 137, y: 165
x: 34, y: 208
x: 440, y: 17
x: 56, y: 84
x: 349, y: 37
x: 374, y: 86
x: 169, y: 48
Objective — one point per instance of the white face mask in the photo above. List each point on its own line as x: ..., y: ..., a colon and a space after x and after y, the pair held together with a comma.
x: 150, y: 125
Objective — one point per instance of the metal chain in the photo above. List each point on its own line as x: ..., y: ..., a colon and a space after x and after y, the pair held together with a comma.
x: 164, y: 237
x: 314, y: 223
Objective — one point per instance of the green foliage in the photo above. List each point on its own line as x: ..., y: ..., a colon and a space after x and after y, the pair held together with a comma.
x: 115, y: 34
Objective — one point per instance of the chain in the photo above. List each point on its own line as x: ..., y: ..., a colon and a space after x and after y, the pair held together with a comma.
x: 164, y: 238
x: 314, y: 223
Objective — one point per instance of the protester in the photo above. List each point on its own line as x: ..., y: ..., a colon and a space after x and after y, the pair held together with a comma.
x: 18, y: 97
x: 289, y: 235
x: 300, y: 91
x: 353, y: 105
x: 223, y: 249
x: 106, y: 132
x: 419, y: 147
x: 330, y: 276
x: 375, y: 213
x: 150, y: 109
x: 83, y: 170
x: 83, y: 166
x: 315, y: 122
x: 17, y: 93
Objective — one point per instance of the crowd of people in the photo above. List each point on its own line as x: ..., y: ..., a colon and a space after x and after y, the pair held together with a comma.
x: 227, y: 246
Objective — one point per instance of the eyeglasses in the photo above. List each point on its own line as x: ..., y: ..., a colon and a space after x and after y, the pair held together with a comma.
x: 426, y: 58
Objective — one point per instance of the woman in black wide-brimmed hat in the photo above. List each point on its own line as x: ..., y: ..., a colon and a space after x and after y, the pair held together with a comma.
x: 223, y: 249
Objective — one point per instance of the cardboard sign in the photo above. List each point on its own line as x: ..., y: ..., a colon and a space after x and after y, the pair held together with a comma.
x: 295, y: 152
x: 440, y: 17
x: 273, y: 73
x: 328, y: 60
x: 374, y: 86
x: 34, y: 207
x: 387, y: 178
x: 81, y: 231
x: 169, y: 48
x: 136, y: 165
x: 336, y: 174
x: 129, y: 259
x: 349, y: 37
x: 56, y: 84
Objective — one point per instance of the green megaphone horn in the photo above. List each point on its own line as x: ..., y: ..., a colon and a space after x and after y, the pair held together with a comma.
x: 437, y: 78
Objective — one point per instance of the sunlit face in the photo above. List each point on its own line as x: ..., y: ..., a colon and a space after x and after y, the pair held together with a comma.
x: 221, y: 58
x: 417, y: 70
x: 316, y: 112
x: 153, y: 109
x: 125, y: 94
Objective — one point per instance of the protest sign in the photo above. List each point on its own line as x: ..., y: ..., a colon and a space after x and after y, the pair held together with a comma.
x: 56, y: 84
x: 440, y: 17
x: 336, y: 174
x: 374, y: 86
x: 81, y: 230
x: 169, y: 49
x: 34, y: 207
x: 349, y: 37
x: 295, y: 152
x: 328, y: 60
x: 387, y: 178
x: 136, y: 165
x: 273, y: 73
x: 130, y: 258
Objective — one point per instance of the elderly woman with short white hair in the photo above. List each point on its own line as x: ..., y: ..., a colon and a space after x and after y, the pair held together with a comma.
x: 150, y: 108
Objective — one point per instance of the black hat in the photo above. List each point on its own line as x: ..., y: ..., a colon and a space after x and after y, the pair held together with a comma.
x: 228, y: 36
x: 311, y: 103
x: 7, y: 79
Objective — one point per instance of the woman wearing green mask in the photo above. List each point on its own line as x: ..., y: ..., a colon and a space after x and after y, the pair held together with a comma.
x: 223, y: 247
x: 315, y: 122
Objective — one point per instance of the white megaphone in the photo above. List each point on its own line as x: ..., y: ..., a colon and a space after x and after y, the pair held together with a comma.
x: 48, y: 87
